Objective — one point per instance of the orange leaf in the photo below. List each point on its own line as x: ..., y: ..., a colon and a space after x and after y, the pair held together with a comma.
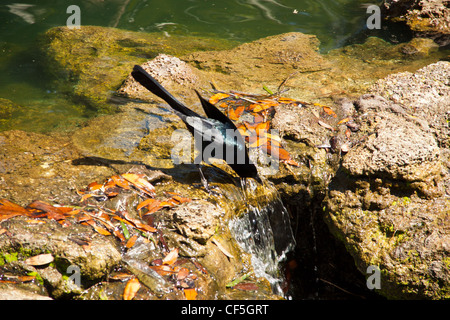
x: 97, y: 228
x: 94, y: 186
x: 344, y: 121
x: 329, y: 111
x: 263, y: 126
x: 218, y: 96
x: 121, y: 182
x: 131, y: 289
x: 163, y: 270
x: 140, y: 182
x: 145, y: 203
x: 131, y: 241
x: 190, y: 294
x: 171, y: 257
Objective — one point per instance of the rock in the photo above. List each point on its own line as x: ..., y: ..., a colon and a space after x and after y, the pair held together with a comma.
x: 424, y: 94
x: 18, y: 292
x: 388, y: 202
x: 427, y: 18
x: 93, y: 61
x: 419, y: 47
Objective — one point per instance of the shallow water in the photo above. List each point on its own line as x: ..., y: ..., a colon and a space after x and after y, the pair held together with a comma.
x: 335, y: 22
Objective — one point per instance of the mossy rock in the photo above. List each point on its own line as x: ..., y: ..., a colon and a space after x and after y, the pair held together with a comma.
x: 91, y: 62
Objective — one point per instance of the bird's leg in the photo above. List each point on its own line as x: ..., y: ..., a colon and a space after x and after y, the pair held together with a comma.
x: 205, y: 182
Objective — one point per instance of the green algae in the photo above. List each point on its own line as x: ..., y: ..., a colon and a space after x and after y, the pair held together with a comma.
x: 90, y: 62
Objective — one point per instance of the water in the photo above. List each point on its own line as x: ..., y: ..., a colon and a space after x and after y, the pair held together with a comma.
x: 42, y: 108
x: 265, y: 232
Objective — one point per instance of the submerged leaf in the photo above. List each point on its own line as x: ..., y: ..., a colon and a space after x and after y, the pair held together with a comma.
x: 171, y: 257
x: 190, y: 294
x: 131, y: 289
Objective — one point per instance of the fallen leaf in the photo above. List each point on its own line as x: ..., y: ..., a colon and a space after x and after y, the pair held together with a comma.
x: 325, y: 125
x: 145, y: 203
x: 40, y: 259
x: 163, y: 270
x: 190, y: 294
x: 182, y: 273
x: 218, y: 96
x: 171, y: 257
x: 222, y: 248
x: 247, y: 286
x: 121, y: 182
x: 131, y: 241
x: 140, y: 182
x: 131, y: 289
x: 344, y: 121
x: 329, y: 111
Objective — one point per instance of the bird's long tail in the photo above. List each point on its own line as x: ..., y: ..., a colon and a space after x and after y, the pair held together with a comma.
x: 150, y: 83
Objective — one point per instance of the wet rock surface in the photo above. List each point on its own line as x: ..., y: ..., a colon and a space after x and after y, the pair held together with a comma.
x: 380, y: 179
x: 428, y: 18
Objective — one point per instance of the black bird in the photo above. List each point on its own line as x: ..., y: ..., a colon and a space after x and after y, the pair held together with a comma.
x: 216, y: 134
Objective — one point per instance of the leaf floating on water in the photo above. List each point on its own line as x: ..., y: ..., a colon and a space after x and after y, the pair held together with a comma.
x: 171, y: 257
x: 190, y: 294
x: 40, y: 259
x: 131, y: 289
x: 247, y: 286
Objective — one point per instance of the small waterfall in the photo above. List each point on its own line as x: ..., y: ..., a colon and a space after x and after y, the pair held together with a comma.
x: 265, y: 232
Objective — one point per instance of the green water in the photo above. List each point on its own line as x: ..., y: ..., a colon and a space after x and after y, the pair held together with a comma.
x: 41, y: 108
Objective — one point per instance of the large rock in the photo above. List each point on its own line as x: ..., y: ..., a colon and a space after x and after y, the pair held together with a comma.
x: 389, y: 202
x: 425, y: 17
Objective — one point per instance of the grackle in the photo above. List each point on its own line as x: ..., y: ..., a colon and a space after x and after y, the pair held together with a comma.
x: 216, y: 135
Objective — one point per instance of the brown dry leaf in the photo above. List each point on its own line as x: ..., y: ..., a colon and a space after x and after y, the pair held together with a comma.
x: 190, y: 294
x: 131, y: 289
x: 325, y: 125
x: 2, y: 231
x: 222, y: 248
x: 181, y: 200
x: 247, y: 286
x: 163, y: 270
x: 40, y: 259
x: 182, y: 273
x: 171, y: 257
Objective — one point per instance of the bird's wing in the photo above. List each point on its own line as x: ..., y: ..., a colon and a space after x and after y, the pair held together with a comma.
x: 146, y: 80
